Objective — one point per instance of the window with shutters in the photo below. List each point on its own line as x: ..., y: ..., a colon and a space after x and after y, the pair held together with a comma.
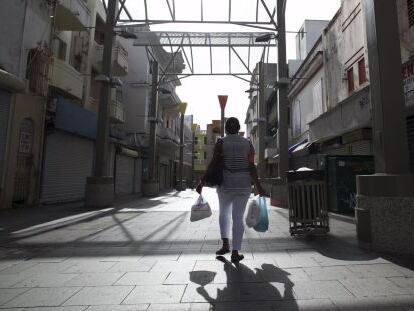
x: 362, y: 72
x: 350, y: 78
x: 410, y: 11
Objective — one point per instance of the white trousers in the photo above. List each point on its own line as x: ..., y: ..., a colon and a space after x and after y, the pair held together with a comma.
x: 232, y: 204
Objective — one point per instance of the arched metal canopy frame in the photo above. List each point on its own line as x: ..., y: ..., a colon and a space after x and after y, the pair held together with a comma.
x: 177, y: 41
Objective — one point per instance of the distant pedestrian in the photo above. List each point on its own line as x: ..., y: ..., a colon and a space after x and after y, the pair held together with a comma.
x: 239, y: 170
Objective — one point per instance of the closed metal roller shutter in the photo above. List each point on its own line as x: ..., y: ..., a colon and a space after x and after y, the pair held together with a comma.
x: 5, y: 98
x: 362, y: 147
x: 410, y: 136
x: 68, y: 161
x: 124, y: 175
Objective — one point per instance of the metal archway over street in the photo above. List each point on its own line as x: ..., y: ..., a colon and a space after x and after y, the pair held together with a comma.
x: 136, y: 17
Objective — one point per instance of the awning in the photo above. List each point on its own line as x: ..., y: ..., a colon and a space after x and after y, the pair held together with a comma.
x: 293, y: 148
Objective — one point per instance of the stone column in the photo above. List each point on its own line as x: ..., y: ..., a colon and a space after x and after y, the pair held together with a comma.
x: 261, y: 122
x: 385, y: 201
x: 278, y: 194
x: 151, y: 187
x: 99, y: 191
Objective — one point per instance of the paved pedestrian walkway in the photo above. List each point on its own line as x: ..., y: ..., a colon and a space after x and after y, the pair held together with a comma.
x: 144, y: 254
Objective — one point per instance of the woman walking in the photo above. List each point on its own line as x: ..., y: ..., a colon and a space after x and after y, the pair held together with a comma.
x: 237, y: 154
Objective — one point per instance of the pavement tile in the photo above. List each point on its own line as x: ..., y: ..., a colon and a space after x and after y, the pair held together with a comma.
x: 46, y: 280
x: 6, y: 263
x: 6, y: 294
x: 94, y: 279
x: 118, y: 307
x: 128, y: 266
x: 50, y: 267
x: 304, y: 305
x: 142, y: 278
x: 120, y: 254
x: 161, y: 256
x: 270, y: 273
x: 71, y: 308
x: 368, y: 304
x: 243, y: 306
x: 43, y: 297
x: 173, y: 265
x: 179, y: 277
x: 101, y: 295
x: 329, y: 273
x: 375, y: 271
x: 17, y: 268
x: 225, y: 272
x: 407, y: 272
x: 155, y: 294
x: 372, y: 287
x: 329, y: 261
x: 212, y: 293
x: 9, y: 280
x: 295, y: 262
x: 90, y: 266
x: 265, y: 292
x: 180, y: 307
x: 403, y: 282
x: 319, y: 289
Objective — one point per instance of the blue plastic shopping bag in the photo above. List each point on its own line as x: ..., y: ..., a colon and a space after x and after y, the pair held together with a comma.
x: 263, y: 224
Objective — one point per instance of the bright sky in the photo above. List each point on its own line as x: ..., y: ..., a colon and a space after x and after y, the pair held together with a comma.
x: 201, y: 91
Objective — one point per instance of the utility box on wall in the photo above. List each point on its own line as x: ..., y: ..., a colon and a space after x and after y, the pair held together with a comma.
x: 341, y: 172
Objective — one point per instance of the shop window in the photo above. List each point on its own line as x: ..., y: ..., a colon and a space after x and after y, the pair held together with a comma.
x: 350, y: 78
x: 410, y: 11
x: 362, y: 72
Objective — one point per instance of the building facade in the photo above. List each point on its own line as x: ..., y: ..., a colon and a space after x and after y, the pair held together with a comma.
x: 200, y: 152
x: 50, y: 90
x: 331, y: 108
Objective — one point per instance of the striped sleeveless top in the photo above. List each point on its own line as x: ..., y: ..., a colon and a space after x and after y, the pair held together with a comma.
x: 236, y: 175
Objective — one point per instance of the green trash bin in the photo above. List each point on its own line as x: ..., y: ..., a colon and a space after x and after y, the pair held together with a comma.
x: 341, y: 172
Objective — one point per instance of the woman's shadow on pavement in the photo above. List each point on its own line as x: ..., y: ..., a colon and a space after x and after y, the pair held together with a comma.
x: 266, y: 286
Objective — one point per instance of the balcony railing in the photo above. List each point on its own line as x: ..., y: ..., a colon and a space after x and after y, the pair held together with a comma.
x: 117, y: 112
x: 37, y: 72
x: 119, y: 59
x: 73, y: 15
x: 167, y: 133
x: 66, y: 78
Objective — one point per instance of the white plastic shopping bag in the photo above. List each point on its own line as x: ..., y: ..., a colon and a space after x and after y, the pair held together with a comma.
x: 200, y: 209
x: 253, y: 212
